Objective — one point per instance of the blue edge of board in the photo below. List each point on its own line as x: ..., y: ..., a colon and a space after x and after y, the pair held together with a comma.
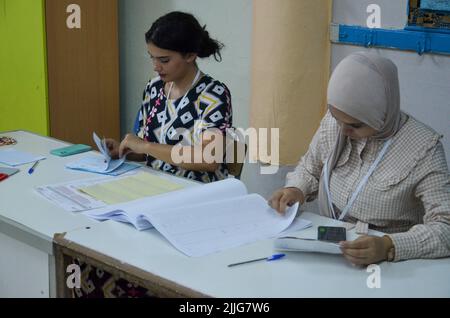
x: 411, y: 39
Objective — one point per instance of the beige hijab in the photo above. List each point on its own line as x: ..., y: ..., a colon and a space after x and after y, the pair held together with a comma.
x: 364, y: 86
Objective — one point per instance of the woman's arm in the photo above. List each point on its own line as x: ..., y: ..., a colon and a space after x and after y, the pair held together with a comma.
x: 136, y: 157
x: 432, y: 238
x: 303, y: 182
x: 181, y: 156
x: 113, y: 148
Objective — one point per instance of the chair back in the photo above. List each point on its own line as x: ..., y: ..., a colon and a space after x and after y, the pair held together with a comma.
x: 236, y: 151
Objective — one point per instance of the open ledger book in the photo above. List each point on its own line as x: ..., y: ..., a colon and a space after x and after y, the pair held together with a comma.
x: 102, y: 164
x: 204, y: 219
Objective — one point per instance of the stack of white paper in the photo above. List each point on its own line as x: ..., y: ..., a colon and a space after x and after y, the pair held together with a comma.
x: 300, y: 244
x: 13, y: 157
x: 204, y: 219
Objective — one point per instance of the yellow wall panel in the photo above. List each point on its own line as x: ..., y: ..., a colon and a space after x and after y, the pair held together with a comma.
x: 23, y: 70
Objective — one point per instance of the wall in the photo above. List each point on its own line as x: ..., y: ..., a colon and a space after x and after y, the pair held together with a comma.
x: 23, y: 78
x: 291, y: 55
x: 424, y: 80
x: 290, y: 65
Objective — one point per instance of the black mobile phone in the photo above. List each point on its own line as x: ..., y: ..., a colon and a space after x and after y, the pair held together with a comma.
x: 333, y: 234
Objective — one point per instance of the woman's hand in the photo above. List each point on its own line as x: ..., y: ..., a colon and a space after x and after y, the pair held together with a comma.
x: 132, y: 143
x: 113, y: 147
x: 366, y: 250
x: 286, y: 197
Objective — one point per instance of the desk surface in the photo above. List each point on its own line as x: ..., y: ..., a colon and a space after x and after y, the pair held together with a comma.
x: 27, y: 216
x: 297, y: 275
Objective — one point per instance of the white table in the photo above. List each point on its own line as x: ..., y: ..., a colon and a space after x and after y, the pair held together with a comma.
x: 297, y: 275
x: 28, y: 221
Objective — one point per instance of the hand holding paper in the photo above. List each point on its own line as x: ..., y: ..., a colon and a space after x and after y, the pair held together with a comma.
x: 131, y: 143
x: 110, y: 164
x: 101, y: 145
x: 113, y: 147
x: 104, y: 164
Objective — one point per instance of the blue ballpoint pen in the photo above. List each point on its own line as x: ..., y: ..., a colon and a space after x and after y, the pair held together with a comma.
x: 270, y: 258
x: 31, y: 170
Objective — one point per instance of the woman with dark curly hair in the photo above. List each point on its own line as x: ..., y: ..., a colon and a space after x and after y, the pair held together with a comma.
x: 180, y: 99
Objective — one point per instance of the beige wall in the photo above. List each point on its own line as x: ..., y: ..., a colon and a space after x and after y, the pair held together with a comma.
x: 290, y: 69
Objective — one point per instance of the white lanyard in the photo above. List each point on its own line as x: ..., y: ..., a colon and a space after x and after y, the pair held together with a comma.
x: 162, y: 135
x: 360, y: 185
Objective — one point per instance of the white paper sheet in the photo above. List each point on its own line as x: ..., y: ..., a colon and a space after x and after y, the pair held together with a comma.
x: 297, y: 225
x: 68, y: 196
x: 298, y: 244
x: 199, y: 230
x: 204, y: 219
x: 102, y: 164
x: 97, y: 164
x: 132, y: 210
x: 13, y: 157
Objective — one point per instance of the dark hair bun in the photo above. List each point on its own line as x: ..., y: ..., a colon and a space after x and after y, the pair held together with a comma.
x: 181, y: 32
x: 209, y: 46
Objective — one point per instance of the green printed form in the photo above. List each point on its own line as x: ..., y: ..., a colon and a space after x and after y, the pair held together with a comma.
x: 130, y: 188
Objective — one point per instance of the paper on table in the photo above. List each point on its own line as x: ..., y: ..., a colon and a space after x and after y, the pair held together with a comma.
x: 101, y: 145
x: 225, y: 217
x: 300, y: 244
x: 130, y: 188
x: 97, y: 164
x: 297, y: 225
x: 202, y: 229
x: 103, y: 165
x: 9, y: 171
x: 13, y: 157
x: 67, y: 195
x: 227, y: 188
x: 111, y: 164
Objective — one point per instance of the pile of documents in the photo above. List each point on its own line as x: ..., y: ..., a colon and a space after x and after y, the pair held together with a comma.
x: 103, y: 164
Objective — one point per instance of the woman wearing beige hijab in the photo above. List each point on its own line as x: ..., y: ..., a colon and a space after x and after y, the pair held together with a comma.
x: 371, y: 164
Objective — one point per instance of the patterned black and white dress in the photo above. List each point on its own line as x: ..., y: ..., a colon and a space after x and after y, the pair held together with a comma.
x: 207, y: 105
